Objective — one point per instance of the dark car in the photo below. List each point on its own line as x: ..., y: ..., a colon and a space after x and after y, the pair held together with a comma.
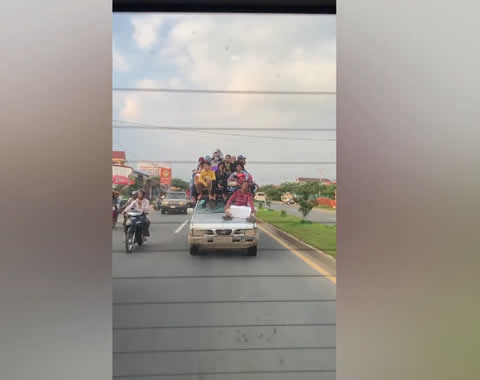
x: 175, y: 202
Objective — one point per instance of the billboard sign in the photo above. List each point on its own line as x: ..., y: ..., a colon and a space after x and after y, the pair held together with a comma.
x: 166, y: 176
x: 123, y: 171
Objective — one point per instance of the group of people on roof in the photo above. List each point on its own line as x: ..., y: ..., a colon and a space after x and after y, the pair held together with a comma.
x: 224, y: 178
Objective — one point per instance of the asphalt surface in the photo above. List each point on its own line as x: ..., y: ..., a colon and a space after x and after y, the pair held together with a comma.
x: 316, y: 215
x: 219, y: 316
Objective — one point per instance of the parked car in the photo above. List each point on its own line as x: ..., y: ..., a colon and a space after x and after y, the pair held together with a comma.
x: 208, y: 230
x: 175, y: 202
x: 260, y: 197
x: 288, y: 198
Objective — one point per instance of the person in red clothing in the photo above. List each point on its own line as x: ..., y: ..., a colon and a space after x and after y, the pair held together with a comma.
x: 241, y: 197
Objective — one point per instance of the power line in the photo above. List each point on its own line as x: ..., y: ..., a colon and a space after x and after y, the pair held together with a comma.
x: 135, y: 123
x: 230, y: 134
x: 240, y: 92
x: 205, y: 131
x: 248, y: 162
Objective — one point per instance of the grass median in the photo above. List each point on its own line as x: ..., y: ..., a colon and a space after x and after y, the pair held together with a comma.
x: 321, y: 236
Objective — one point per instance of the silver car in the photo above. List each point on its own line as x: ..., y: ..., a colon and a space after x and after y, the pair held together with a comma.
x: 208, y: 230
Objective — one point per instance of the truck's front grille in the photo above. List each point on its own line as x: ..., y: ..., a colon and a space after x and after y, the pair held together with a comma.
x: 224, y: 232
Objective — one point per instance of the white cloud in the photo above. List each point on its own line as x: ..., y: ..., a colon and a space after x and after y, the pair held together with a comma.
x: 131, y: 110
x: 145, y: 29
x: 120, y: 63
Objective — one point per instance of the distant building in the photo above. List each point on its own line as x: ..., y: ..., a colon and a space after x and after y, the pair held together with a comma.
x: 324, y: 181
x: 303, y: 179
x: 118, y: 158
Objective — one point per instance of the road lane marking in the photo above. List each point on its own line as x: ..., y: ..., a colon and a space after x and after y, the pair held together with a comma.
x: 181, y: 226
x: 301, y: 256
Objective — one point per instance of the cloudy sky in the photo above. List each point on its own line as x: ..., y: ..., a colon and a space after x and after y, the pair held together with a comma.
x: 227, y: 52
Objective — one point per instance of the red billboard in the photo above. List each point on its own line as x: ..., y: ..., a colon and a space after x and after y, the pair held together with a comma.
x: 121, y: 180
x: 165, y: 176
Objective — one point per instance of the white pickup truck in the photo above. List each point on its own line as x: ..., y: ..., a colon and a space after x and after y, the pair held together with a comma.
x: 210, y: 231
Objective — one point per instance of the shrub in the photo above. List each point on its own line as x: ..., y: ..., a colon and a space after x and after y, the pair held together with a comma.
x: 283, y: 213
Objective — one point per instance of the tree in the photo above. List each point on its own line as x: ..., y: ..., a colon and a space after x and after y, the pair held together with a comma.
x: 180, y: 183
x: 306, y: 205
x: 274, y: 194
x: 329, y: 191
x: 306, y: 198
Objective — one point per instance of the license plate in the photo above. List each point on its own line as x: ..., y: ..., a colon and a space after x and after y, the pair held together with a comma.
x: 223, y: 239
x: 173, y: 206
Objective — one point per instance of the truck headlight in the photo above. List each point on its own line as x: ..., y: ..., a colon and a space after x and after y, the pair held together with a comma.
x: 195, y: 232
x: 164, y: 203
x: 182, y: 203
x: 252, y: 232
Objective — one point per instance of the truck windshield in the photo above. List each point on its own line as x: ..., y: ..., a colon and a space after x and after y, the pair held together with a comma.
x: 211, y: 207
x: 176, y: 196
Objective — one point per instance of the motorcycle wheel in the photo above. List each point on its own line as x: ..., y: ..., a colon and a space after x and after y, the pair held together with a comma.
x: 129, y: 240
x: 140, y: 239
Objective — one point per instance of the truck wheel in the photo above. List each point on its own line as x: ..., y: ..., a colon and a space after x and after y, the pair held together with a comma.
x: 163, y: 211
x: 252, y: 251
x: 194, y: 250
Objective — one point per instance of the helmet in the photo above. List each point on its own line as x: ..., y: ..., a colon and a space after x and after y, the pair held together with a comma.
x: 241, y: 157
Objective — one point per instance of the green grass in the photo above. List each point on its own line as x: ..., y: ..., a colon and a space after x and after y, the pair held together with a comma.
x: 321, y: 236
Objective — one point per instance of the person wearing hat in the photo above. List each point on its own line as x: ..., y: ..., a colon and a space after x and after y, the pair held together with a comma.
x: 242, y: 159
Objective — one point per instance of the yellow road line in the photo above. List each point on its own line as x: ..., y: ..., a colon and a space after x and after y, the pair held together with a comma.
x: 301, y: 256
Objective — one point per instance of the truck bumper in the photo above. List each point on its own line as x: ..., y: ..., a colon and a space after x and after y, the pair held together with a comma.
x: 223, y: 242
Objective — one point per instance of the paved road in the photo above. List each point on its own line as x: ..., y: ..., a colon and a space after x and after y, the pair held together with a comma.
x: 316, y: 215
x: 220, y: 316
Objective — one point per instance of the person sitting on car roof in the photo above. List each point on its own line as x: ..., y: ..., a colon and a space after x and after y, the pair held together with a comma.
x: 228, y: 163
x: 204, y: 181
x: 220, y: 184
x: 235, y: 178
x: 241, y: 198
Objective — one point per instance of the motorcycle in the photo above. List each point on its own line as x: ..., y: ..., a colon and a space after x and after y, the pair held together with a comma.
x: 134, y: 230
x: 114, y: 216
x: 157, y: 205
x: 115, y: 212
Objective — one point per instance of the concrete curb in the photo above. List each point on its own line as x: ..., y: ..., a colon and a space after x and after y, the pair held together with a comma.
x: 326, y: 260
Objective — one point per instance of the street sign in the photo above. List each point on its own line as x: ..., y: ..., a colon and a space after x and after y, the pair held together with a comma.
x: 166, y: 176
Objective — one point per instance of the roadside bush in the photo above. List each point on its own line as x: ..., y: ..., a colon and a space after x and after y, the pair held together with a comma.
x: 283, y: 213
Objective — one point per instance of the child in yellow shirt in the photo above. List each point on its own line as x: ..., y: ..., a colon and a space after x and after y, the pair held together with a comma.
x: 205, y: 181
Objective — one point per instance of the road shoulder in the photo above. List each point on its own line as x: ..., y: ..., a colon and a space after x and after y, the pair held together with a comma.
x: 326, y: 262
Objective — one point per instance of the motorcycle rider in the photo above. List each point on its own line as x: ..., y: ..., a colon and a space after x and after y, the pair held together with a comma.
x: 115, y: 204
x: 141, y: 204
x: 132, y: 198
